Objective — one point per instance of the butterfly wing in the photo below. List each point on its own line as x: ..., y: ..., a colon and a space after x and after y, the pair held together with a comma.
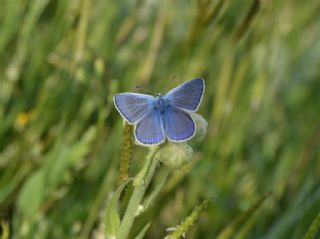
x: 187, y: 96
x: 149, y: 130
x: 132, y: 106
x: 178, y: 125
x: 151, y: 126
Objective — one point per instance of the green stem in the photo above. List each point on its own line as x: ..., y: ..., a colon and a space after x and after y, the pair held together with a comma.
x: 158, y: 186
x: 313, y: 229
x: 141, y: 183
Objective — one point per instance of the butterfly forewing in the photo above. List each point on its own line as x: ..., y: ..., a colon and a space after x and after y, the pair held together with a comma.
x: 150, y: 130
x: 179, y: 126
x: 187, y: 96
x: 133, y: 106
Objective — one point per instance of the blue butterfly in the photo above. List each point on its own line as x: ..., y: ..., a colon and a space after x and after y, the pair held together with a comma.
x: 163, y: 116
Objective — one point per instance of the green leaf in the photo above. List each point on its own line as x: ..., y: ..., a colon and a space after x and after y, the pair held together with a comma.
x: 4, y: 232
x: 32, y: 195
x: 44, y: 181
x: 143, y: 231
x: 313, y: 229
x: 241, y: 220
x: 55, y: 166
x: 78, y: 151
x: 64, y: 156
x: 158, y: 186
x: 180, y: 230
x: 112, y: 217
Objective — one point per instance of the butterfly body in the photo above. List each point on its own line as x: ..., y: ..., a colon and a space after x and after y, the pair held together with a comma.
x: 161, y: 117
x: 161, y: 103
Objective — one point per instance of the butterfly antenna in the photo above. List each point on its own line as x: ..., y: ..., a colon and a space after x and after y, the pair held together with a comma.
x: 172, y: 80
x: 145, y: 90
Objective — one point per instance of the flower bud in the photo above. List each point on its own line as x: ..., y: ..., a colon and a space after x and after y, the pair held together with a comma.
x: 173, y: 155
x: 201, y: 127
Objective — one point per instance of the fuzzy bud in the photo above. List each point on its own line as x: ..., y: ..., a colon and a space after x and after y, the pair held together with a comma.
x: 201, y: 127
x: 173, y: 155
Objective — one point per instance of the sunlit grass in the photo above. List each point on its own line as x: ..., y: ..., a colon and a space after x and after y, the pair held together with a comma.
x: 61, y: 62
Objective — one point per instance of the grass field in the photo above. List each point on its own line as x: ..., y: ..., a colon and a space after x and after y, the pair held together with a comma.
x: 61, y: 139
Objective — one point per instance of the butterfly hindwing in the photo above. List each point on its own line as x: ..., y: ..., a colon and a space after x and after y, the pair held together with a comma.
x: 150, y: 130
x: 133, y: 106
x: 187, y: 96
x: 179, y: 125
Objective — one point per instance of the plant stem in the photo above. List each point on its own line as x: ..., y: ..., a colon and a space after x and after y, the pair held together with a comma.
x: 313, y: 229
x: 140, y: 184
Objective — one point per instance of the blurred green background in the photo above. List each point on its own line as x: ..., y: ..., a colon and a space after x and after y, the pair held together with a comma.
x: 60, y: 135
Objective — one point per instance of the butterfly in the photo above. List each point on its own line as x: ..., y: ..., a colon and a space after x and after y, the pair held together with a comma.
x: 161, y: 117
